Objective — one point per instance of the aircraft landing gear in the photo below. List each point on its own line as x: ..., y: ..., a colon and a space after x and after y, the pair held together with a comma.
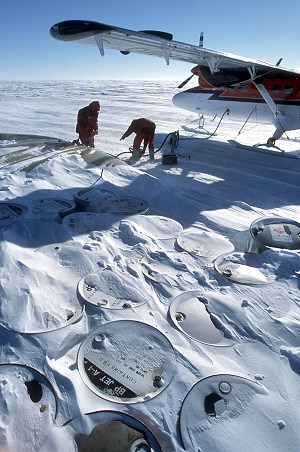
x: 271, y: 141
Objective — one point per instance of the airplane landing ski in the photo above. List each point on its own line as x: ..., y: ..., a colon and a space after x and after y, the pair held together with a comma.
x: 274, y: 150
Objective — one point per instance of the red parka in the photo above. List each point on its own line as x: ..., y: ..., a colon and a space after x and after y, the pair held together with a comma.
x: 141, y: 125
x: 87, y: 120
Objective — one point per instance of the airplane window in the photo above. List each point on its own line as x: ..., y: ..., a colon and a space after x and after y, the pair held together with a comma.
x: 275, y: 89
x: 288, y: 89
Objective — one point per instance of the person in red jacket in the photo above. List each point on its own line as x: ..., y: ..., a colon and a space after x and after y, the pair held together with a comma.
x: 144, y: 129
x: 87, y: 123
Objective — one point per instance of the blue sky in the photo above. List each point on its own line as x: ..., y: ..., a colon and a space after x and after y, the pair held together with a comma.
x: 262, y: 29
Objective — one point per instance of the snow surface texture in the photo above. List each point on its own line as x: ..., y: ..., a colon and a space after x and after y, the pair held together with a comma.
x: 240, y: 394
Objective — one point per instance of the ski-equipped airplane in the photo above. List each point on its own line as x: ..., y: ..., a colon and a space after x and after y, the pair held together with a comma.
x: 226, y: 83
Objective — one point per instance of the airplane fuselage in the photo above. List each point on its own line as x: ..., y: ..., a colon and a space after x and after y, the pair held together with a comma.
x: 244, y: 99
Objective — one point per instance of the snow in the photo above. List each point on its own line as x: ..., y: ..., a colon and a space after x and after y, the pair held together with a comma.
x: 60, y: 279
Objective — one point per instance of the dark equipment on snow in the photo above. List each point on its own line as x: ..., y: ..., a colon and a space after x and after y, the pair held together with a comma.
x: 171, y: 159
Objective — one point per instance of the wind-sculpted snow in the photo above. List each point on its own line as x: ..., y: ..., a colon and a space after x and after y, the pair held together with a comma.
x: 67, y: 276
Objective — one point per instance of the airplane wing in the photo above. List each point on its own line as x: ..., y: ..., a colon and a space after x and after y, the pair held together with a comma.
x: 159, y: 44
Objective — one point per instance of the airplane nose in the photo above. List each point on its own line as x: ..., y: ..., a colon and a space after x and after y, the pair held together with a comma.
x: 179, y: 100
x: 186, y: 100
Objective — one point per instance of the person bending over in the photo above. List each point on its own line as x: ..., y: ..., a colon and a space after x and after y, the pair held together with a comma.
x: 144, y: 129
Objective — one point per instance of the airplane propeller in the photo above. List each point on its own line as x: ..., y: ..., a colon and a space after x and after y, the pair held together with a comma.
x: 185, y: 81
x: 201, y: 40
x: 244, y: 81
